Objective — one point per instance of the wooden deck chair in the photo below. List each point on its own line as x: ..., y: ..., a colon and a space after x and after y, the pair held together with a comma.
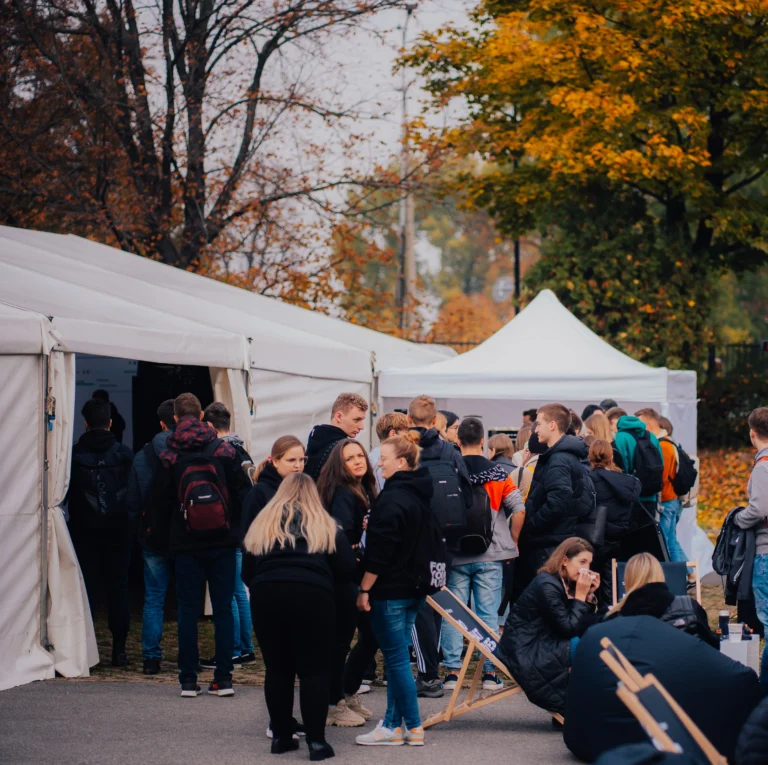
x: 480, y: 637
x: 663, y: 719
x: 675, y: 573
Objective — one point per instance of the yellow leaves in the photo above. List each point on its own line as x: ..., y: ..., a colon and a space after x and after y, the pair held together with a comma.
x: 722, y: 485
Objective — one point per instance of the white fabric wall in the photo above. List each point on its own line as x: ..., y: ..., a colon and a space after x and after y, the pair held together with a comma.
x: 22, y: 659
x: 293, y: 405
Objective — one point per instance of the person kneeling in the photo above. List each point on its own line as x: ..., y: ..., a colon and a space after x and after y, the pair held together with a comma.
x: 544, y: 625
x: 647, y: 594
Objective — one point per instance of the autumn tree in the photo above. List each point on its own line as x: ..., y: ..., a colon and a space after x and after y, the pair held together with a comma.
x: 179, y: 129
x: 663, y: 100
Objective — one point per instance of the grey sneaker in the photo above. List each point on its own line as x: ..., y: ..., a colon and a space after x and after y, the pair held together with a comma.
x: 429, y: 689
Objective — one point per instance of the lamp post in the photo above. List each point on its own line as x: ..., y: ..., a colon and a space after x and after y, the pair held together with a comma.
x: 407, y: 275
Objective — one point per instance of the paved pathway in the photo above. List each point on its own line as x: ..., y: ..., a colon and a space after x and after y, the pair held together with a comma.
x: 116, y: 723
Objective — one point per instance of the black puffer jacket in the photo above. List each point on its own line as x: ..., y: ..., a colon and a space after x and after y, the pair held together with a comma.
x: 557, y: 498
x: 752, y: 747
x: 617, y: 491
x: 259, y: 496
x: 320, y: 444
x: 680, y: 611
x: 536, y: 643
x: 393, y: 529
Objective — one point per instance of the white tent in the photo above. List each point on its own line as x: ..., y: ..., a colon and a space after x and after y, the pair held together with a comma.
x: 545, y: 354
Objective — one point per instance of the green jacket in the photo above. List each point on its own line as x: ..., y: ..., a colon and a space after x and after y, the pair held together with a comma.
x: 628, y: 428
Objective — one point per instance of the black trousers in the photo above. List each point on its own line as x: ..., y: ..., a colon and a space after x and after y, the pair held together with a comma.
x: 361, y: 655
x: 426, y: 641
x: 105, y: 558
x: 346, y: 624
x: 295, y: 629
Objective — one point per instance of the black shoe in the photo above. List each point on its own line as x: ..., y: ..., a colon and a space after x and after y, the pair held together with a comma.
x: 429, y: 689
x: 283, y: 745
x: 320, y: 750
x: 221, y: 688
x: 119, y: 659
x: 246, y: 658
x: 190, y: 690
x: 207, y: 663
x: 151, y: 666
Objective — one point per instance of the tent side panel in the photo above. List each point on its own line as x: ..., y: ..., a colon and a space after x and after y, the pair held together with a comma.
x: 22, y: 659
x: 290, y: 404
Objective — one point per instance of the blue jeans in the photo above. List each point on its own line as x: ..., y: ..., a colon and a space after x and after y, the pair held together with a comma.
x: 193, y: 570
x: 670, y: 515
x: 485, y: 582
x: 241, y: 611
x: 157, y: 574
x: 392, y: 621
x: 760, y: 590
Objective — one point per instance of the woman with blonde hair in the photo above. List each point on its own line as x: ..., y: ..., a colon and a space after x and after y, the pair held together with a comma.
x: 647, y: 594
x: 543, y: 626
x: 599, y: 426
x: 295, y: 555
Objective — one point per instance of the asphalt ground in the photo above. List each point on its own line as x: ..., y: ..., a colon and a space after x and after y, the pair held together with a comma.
x: 82, y: 722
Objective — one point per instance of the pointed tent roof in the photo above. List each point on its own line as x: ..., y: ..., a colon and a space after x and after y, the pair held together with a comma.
x: 543, y: 353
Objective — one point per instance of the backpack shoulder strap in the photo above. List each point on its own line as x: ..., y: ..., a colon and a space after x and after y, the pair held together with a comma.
x: 762, y: 459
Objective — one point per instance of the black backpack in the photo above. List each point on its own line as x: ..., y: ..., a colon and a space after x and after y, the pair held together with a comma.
x: 478, y: 533
x: 103, y: 481
x: 447, y: 501
x: 428, y: 565
x: 649, y: 466
x: 685, y: 478
x: 202, y: 493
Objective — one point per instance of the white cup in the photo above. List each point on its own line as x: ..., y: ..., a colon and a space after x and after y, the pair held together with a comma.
x: 735, y: 632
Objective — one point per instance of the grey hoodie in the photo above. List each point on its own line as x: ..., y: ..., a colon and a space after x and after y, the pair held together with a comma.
x: 755, y: 514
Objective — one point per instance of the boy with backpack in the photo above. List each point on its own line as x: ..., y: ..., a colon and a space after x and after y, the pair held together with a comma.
x: 205, y: 488
x: 755, y: 515
x: 99, y: 524
x: 451, y: 499
x: 486, y: 543
x: 675, y: 482
x: 141, y: 502
x: 641, y: 456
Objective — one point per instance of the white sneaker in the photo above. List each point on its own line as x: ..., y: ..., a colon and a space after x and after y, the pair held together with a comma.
x: 450, y: 681
x: 364, y: 688
x: 381, y: 736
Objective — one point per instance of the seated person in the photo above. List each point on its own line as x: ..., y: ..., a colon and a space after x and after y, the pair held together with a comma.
x: 546, y: 621
x: 716, y: 692
x: 647, y: 594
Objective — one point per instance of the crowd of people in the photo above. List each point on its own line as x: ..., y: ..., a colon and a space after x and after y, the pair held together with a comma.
x: 319, y: 542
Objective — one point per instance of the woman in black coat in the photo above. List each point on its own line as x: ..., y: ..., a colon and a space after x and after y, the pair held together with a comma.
x: 347, y: 488
x: 295, y: 556
x: 286, y: 457
x: 618, y: 492
x: 647, y: 594
x: 544, y: 625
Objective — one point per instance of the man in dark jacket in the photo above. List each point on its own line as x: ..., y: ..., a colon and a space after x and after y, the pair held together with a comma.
x: 118, y: 422
x: 99, y: 523
x: 219, y: 418
x: 559, y: 493
x: 422, y: 414
x: 201, y: 468
x: 140, y: 502
x: 347, y: 421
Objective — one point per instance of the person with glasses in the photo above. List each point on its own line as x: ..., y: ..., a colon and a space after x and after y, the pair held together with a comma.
x: 347, y: 488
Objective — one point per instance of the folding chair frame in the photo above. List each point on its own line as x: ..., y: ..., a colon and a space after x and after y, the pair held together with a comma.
x: 472, y: 700
x: 694, y: 564
x: 630, y: 682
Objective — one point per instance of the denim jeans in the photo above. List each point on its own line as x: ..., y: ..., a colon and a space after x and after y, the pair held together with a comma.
x: 392, y: 621
x: 670, y: 515
x: 157, y: 575
x: 241, y: 611
x: 760, y: 590
x: 193, y: 570
x: 484, y: 581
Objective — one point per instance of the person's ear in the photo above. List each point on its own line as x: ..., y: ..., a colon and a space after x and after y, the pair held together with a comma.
x: 392, y: 433
x: 175, y: 418
x: 110, y: 425
x: 434, y: 422
x: 482, y: 442
x: 202, y: 414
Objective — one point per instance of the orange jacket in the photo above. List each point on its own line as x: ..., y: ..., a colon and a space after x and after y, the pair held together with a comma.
x: 669, y: 453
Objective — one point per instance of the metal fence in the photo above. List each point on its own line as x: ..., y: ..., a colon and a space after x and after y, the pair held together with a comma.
x: 734, y: 357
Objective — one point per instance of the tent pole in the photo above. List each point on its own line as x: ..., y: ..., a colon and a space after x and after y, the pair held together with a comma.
x: 44, y: 641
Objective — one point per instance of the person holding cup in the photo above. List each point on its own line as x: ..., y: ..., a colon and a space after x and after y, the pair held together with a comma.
x: 544, y: 625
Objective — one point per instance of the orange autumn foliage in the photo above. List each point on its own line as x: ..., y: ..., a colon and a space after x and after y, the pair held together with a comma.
x: 723, y: 486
